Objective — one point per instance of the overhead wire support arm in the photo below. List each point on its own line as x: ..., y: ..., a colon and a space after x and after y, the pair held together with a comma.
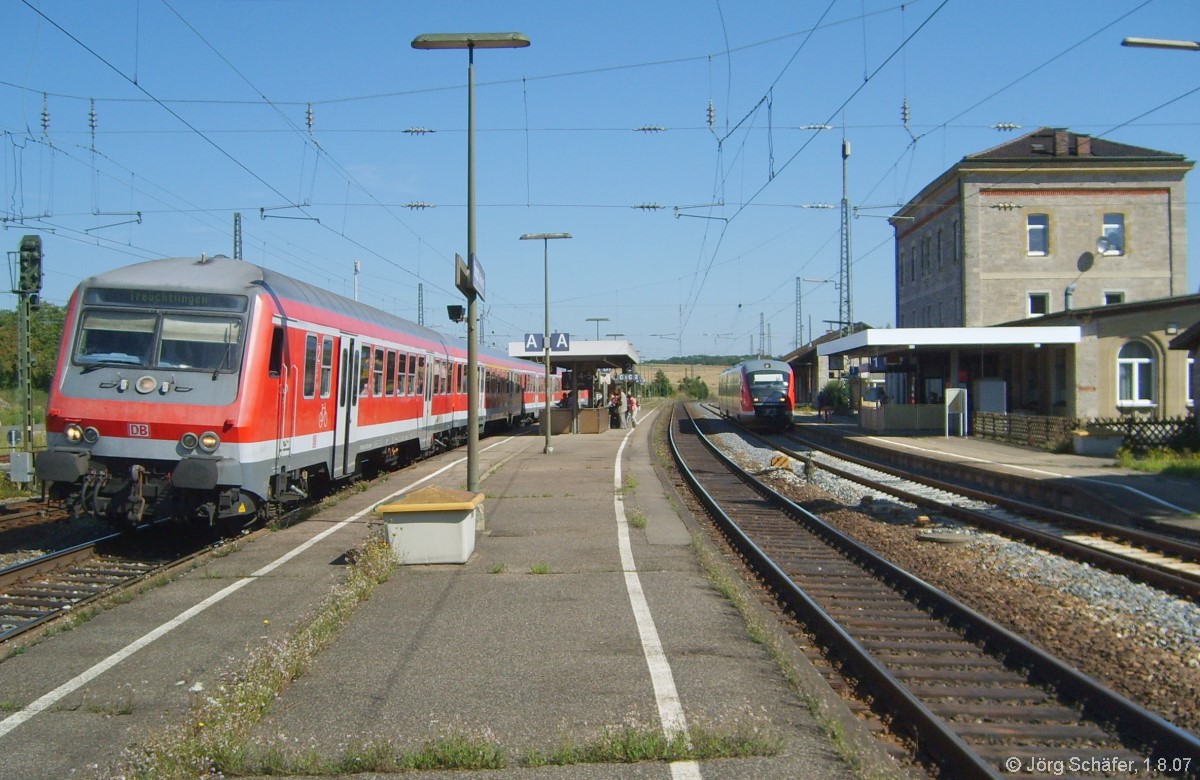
x: 890, y: 207
x: 137, y: 218
x: 718, y: 204
x: 262, y: 213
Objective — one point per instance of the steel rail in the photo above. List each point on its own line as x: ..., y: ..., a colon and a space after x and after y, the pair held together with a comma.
x: 1151, y: 573
x: 1140, y: 726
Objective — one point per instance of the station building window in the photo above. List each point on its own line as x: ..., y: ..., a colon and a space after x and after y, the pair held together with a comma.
x: 1135, y: 375
x: 1039, y: 304
x: 1114, y: 234
x: 1037, y: 229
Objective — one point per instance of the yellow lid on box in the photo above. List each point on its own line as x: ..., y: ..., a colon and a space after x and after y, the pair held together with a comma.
x: 432, y: 499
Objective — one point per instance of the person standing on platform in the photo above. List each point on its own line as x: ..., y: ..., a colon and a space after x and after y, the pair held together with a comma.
x: 631, y: 410
x: 614, y: 410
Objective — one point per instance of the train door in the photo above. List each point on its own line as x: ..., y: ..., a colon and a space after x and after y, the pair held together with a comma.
x: 282, y: 368
x: 277, y: 368
x: 347, y: 408
x: 425, y: 369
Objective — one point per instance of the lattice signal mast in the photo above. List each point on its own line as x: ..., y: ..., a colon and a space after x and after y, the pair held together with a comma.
x: 845, y: 304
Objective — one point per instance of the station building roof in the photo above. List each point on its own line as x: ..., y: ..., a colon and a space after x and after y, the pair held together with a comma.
x: 886, y: 341
x: 583, y: 355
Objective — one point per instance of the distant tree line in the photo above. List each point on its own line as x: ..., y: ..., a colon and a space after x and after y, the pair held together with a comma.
x: 704, y: 360
x: 45, y: 332
x: 689, y: 386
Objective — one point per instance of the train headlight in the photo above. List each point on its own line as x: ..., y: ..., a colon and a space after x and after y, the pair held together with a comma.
x: 146, y: 384
x: 209, y: 441
x: 74, y: 433
x: 189, y: 441
x: 91, y: 435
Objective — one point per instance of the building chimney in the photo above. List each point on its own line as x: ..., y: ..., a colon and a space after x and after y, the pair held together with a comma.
x: 1062, y: 143
x: 1083, y: 145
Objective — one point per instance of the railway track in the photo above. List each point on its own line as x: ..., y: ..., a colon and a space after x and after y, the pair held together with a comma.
x: 1170, y: 563
x: 1166, y: 562
x: 35, y: 592
x: 976, y: 700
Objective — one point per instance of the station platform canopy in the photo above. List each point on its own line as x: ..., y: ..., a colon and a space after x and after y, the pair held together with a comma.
x: 583, y: 356
x: 876, y: 342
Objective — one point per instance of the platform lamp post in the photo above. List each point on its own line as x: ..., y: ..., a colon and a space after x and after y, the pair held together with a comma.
x: 597, y: 320
x: 471, y: 42
x: 545, y: 239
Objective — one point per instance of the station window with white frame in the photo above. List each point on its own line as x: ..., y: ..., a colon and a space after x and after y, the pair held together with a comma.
x: 1135, y: 375
x: 1191, y: 401
x: 1039, y: 304
x: 1113, y: 297
x: 1114, y: 234
x: 1037, y: 230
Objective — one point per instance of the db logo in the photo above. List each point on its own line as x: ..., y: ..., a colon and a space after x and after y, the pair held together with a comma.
x: 139, y: 430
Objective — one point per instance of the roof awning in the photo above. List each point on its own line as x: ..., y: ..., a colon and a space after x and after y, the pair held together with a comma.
x: 884, y: 341
x: 583, y: 356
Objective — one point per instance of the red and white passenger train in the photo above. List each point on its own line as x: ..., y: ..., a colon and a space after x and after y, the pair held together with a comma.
x: 216, y: 389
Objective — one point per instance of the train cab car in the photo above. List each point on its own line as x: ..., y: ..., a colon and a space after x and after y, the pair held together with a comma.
x: 214, y: 389
x: 758, y: 393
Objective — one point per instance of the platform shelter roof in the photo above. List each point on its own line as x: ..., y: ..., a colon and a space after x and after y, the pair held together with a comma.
x: 584, y: 356
x: 875, y: 342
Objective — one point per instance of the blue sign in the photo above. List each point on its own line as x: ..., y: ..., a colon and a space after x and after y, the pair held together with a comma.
x: 559, y: 342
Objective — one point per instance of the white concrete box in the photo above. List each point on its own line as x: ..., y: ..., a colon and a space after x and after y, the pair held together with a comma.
x: 432, y: 525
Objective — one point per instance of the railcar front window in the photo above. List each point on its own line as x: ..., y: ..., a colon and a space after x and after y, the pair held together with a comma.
x: 768, y: 380
x: 126, y: 338
x: 203, y: 343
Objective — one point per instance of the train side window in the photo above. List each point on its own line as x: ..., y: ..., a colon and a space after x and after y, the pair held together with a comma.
x: 310, y: 365
x: 402, y: 370
x: 275, y: 365
x: 390, y: 378
x: 364, y: 371
x: 421, y: 375
x: 326, y: 365
x: 411, y: 386
x: 377, y: 384
x: 344, y: 376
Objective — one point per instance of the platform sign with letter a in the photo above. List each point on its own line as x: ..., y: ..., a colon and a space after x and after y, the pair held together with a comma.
x: 559, y: 342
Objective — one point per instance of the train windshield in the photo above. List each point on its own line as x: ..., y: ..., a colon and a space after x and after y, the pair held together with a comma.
x: 767, y: 380
x: 150, y: 340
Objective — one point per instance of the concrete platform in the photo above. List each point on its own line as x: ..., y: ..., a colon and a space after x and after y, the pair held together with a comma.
x: 568, y: 620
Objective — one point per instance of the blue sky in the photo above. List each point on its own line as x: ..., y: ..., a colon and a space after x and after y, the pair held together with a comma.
x: 201, y: 111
